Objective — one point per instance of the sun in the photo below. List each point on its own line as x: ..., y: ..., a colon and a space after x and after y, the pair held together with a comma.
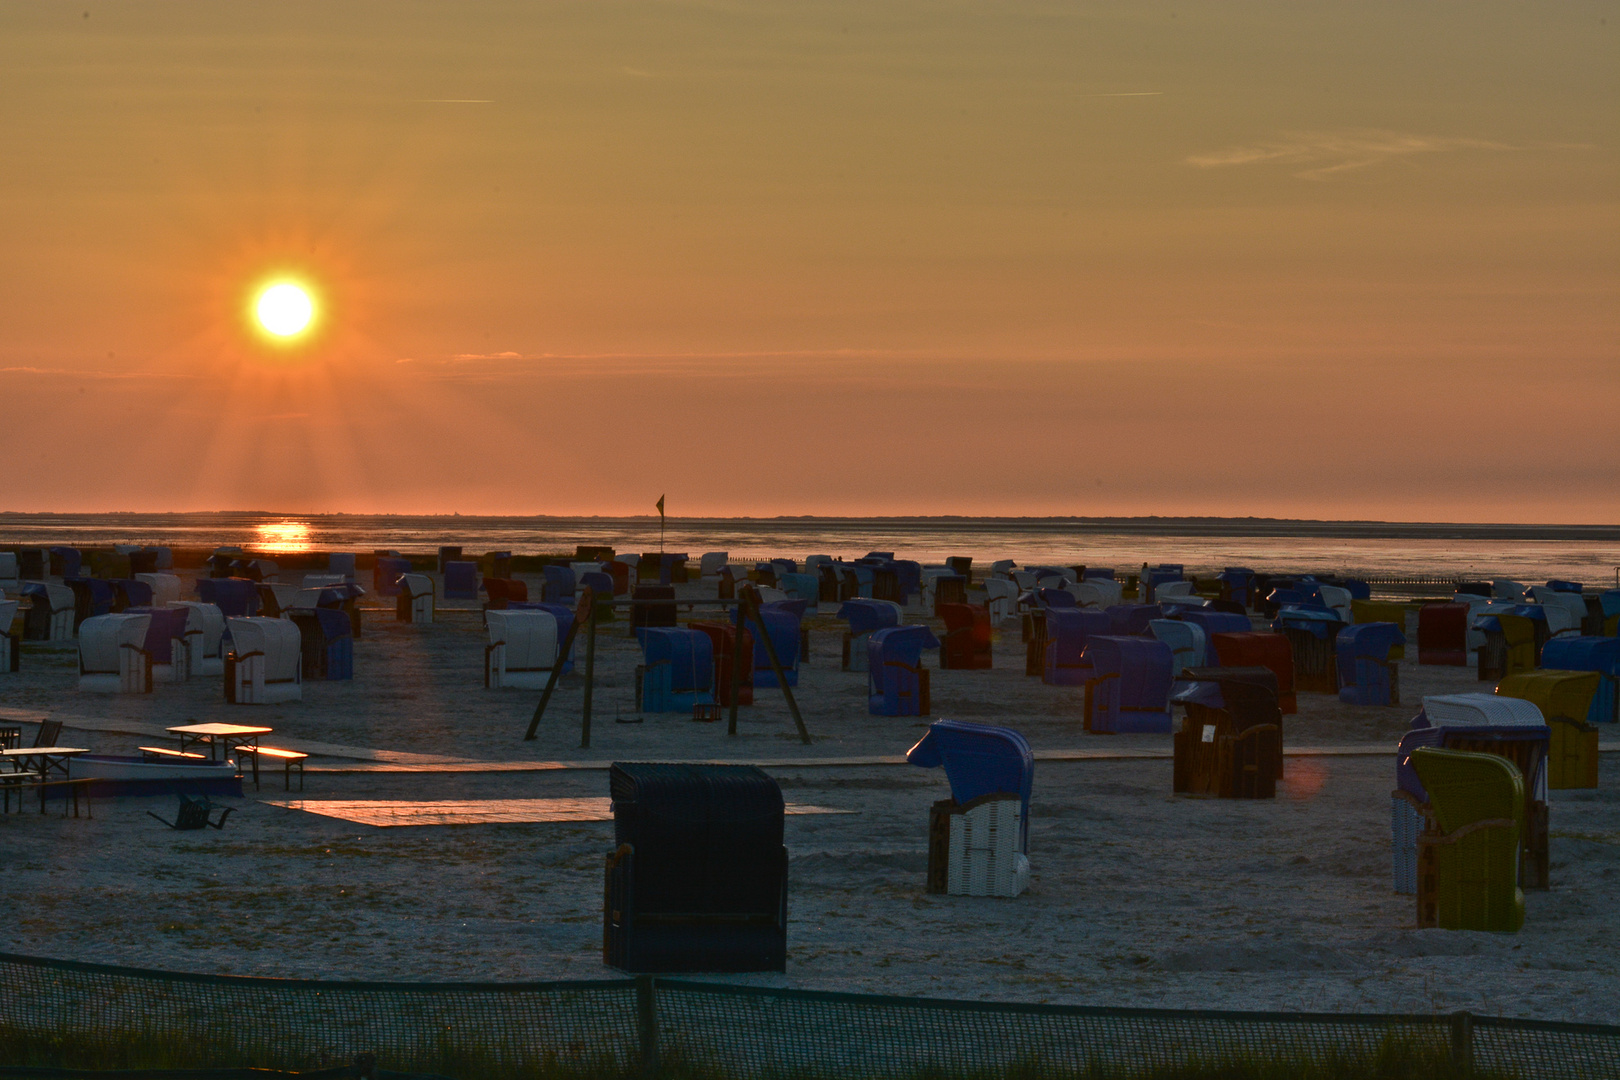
x: 284, y: 309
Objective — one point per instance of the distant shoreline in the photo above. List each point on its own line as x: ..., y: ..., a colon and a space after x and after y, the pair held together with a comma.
x: 1154, y: 526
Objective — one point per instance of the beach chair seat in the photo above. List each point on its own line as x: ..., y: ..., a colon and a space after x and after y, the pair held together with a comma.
x: 783, y: 622
x: 864, y: 617
x: 265, y: 663
x: 522, y: 648
x: 460, y: 580
x: 1186, y: 640
x: 1367, y: 673
x: 1565, y: 701
x: 1442, y: 634
x: 979, y: 760
x: 1590, y: 653
x: 167, y: 642
x: 326, y: 644
x: 1067, y: 631
x: 897, y: 682
x: 205, y: 634
x: 1229, y: 743
x: 165, y: 587
x: 1468, y: 875
x: 1001, y: 597
x: 386, y: 571
x: 499, y: 592
x: 52, y: 614
x: 966, y: 644
x: 677, y: 671
x: 414, y: 600
x: 697, y: 881
x: 1258, y: 649
x: 112, y: 654
x: 1128, y: 689
x: 723, y: 644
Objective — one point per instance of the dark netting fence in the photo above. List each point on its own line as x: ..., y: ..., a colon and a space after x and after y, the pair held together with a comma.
x: 641, y: 1027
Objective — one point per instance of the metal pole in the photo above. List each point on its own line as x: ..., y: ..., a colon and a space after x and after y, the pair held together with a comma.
x: 647, y: 1023
x: 551, y: 682
x: 590, y: 675
x: 751, y: 606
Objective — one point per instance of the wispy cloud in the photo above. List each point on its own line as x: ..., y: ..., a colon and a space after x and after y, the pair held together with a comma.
x: 88, y: 373
x: 1321, y: 155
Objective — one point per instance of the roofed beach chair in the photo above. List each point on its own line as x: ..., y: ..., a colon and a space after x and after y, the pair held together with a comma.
x: 460, y: 580
x: 1599, y: 654
x: 1257, y: 649
x: 386, y: 572
x: 978, y: 839
x: 326, y: 644
x: 414, y: 603
x: 165, y: 587
x: 1001, y: 597
x: 710, y: 562
x: 1229, y: 743
x: 697, y: 881
x: 112, y: 654
x: 167, y: 643
x: 1067, y: 632
x: 1565, y: 700
x: 1129, y: 685
x: 265, y: 664
x: 1188, y: 647
x: 500, y: 592
x: 1468, y: 872
x: 10, y: 644
x: 522, y: 649
x: 864, y: 617
x: 723, y: 643
x: 677, y: 671
x: 51, y: 618
x: 205, y: 633
x: 897, y: 682
x: 1368, y: 673
x: 966, y: 643
x: 1442, y: 634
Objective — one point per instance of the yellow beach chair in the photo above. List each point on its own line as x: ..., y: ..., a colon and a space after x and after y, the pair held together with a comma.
x: 1468, y: 866
x: 1564, y: 698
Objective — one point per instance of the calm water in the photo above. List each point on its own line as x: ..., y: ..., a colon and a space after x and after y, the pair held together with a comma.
x: 1587, y: 554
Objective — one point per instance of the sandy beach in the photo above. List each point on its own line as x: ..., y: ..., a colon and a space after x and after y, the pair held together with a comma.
x: 1137, y: 897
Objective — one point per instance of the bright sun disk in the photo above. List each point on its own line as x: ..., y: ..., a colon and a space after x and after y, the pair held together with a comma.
x: 284, y: 309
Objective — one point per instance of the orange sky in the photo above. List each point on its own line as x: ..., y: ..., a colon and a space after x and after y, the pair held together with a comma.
x: 1339, y: 261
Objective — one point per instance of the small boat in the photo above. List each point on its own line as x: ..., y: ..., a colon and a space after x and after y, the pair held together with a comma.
x: 118, y: 775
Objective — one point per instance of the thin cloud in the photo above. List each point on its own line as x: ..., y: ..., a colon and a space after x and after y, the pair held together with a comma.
x: 71, y: 373
x: 1324, y: 154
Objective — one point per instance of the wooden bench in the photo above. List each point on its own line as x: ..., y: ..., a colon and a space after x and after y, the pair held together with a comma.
x: 10, y: 780
x: 153, y: 753
x: 291, y: 759
x: 73, y: 788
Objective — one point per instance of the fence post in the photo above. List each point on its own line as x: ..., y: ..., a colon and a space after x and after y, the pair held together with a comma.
x: 1462, y: 1041
x: 647, y: 1024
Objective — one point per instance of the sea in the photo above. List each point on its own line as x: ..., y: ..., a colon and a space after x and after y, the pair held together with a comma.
x: 1379, y: 551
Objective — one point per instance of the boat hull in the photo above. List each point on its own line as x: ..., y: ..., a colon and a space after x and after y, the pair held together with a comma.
x: 112, y: 775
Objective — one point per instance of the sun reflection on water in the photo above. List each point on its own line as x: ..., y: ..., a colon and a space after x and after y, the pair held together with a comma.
x: 282, y: 536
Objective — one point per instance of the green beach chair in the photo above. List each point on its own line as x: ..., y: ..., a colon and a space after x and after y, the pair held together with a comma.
x: 1468, y: 867
x: 1564, y: 698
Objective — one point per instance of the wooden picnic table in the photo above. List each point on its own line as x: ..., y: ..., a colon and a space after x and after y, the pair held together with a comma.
x: 225, y: 737
x: 51, y: 759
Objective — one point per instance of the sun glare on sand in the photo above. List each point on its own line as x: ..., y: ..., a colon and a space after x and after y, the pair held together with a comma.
x: 284, y: 310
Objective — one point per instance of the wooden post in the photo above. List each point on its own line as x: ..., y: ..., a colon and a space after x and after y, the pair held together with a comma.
x: 587, y: 605
x: 590, y: 672
x: 750, y: 601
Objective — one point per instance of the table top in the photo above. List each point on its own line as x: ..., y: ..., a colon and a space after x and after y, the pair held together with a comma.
x: 25, y: 751
x: 219, y: 729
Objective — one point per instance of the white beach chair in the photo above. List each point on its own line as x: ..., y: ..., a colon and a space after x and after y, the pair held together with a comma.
x: 1002, y: 567
x: 1001, y: 596
x: 165, y: 588
x: 1085, y: 595
x: 1505, y: 589
x: 269, y: 661
x: 415, y: 604
x: 342, y: 563
x: 930, y: 575
x: 1169, y: 590
x: 814, y: 563
x: 287, y: 596
x: 580, y: 569
x: 1188, y: 647
x: 1109, y: 592
x: 522, y: 649
x: 112, y: 654
x: 710, y: 562
x: 1023, y: 579
x: 205, y: 633
x: 60, y: 597
x: 1338, y: 599
x: 768, y: 595
x: 1564, y: 610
